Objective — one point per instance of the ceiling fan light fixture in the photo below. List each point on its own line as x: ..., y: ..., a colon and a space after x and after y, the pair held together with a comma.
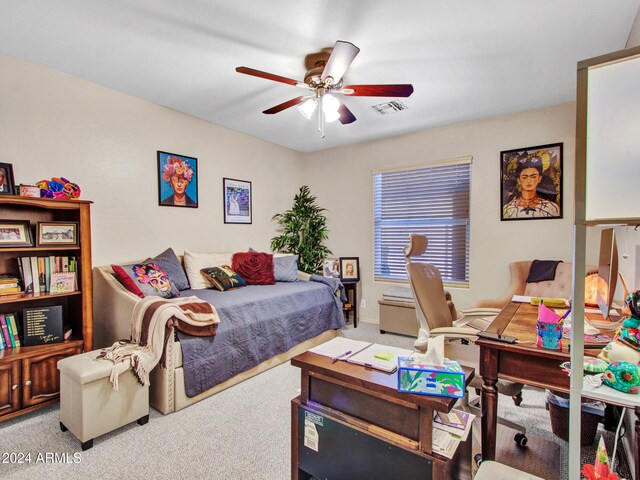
x: 330, y: 106
x: 308, y: 107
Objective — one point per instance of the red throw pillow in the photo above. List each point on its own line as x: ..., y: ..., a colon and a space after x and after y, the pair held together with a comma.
x: 256, y: 268
x: 126, y: 281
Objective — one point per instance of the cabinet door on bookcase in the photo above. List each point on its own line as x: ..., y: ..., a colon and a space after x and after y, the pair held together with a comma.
x: 9, y: 387
x: 40, y: 376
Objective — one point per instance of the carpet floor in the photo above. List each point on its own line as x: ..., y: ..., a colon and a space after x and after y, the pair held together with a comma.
x: 240, y: 433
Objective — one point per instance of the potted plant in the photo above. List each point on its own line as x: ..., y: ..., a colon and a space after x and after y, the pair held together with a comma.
x: 304, y: 229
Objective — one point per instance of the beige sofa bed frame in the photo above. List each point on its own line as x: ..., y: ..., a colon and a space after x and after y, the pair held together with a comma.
x: 112, y: 309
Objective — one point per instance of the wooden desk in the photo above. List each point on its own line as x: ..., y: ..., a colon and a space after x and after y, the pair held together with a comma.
x: 523, y: 363
x: 368, y: 402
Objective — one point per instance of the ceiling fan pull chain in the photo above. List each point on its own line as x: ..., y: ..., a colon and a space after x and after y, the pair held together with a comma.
x: 321, y: 117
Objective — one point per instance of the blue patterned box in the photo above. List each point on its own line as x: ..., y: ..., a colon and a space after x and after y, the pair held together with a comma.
x: 425, y: 379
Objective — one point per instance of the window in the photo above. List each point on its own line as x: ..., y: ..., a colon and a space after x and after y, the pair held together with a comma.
x: 432, y: 200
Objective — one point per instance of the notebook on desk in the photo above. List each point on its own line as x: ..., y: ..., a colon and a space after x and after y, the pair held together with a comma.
x: 380, y: 357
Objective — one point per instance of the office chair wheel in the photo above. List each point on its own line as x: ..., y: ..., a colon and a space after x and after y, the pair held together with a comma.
x: 521, y: 439
x: 478, y: 459
x: 517, y: 399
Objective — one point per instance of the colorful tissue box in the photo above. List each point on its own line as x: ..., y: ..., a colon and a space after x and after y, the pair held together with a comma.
x: 425, y: 379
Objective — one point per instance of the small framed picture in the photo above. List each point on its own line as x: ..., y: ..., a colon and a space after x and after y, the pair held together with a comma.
x: 7, y: 185
x: 15, y: 233
x: 57, y: 234
x: 29, y: 191
x: 177, y: 180
x: 350, y: 269
x: 531, y: 183
x: 331, y: 268
x: 236, y: 200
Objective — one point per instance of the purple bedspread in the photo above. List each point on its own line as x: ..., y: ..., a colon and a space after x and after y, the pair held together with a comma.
x: 256, y: 323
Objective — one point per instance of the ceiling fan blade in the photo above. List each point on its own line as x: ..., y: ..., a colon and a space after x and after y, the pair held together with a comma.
x: 400, y: 90
x: 271, y: 76
x: 341, y: 57
x: 283, y: 106
x: 346, y: 116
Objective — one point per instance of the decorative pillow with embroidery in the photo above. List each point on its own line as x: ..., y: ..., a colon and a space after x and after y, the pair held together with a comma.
x: 146, y: 278
x: 170, y: 263
x: 256, y: 268
x: 223, y: 278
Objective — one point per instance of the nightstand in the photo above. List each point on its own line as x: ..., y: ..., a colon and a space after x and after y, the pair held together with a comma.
x: 351, y: 305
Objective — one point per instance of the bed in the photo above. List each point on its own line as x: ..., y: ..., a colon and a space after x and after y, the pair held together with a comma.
x: 260, y: 327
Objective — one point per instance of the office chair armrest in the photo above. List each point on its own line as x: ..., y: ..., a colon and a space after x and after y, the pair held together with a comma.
x: 455, y: 332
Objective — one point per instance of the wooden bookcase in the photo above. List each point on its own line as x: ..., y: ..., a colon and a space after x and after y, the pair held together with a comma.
x: 29, y: 378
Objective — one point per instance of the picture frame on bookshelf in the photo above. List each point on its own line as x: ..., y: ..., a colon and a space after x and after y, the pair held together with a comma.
x: 53, y: 234
x: 7, y: 184
x: 15, y: 233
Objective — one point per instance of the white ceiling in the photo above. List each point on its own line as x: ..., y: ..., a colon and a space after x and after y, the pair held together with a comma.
x: 466, y: 59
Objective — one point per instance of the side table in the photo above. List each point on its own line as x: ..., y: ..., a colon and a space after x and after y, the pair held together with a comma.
x: 351, y: 290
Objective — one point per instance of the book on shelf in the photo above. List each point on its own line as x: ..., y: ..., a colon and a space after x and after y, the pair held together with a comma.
x: 27, y: 277
x: 5, y: 332
x: 11, y: 320
x: 42, y: 325
x: 63, y: 282
x: 36, y: 273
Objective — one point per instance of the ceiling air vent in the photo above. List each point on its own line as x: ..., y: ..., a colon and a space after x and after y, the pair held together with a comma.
x: 390, y: 107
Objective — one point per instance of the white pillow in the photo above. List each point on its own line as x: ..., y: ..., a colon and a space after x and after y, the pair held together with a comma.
x: 194, y: 262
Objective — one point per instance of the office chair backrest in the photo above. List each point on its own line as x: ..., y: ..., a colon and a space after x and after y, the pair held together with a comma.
x: 432, y: 308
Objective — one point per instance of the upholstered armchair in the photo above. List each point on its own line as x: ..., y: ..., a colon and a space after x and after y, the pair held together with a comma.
x: 559, y: 287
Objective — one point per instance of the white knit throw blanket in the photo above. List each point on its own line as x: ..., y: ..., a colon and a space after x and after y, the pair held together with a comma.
x: 152, y: 324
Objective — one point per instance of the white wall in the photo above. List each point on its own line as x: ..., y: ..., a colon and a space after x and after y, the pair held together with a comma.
x: 53, y: 124
x: 342, y: 180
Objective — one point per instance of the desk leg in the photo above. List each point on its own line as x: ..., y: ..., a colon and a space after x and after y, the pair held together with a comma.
x: 294, y: 441
x: 489, y: 399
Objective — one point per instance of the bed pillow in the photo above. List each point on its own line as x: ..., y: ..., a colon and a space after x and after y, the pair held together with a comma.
x: 256, y: 268
x: 169, y: 262
x: 223, y: 278
x: 146, y: 279
x: 194, y: 262
x: 285, y: 266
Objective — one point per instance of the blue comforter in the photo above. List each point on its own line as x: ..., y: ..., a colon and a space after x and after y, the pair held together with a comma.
x: 256, y: 323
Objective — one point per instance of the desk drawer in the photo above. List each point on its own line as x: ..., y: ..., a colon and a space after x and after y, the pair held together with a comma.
x: 391, y: 416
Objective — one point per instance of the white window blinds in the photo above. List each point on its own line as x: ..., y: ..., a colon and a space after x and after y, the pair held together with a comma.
x: 431, y: 200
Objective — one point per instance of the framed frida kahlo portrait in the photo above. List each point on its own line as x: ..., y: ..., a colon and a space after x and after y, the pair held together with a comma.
x: 531, y: 183
x: 177, y: 180
x: 236, y: 200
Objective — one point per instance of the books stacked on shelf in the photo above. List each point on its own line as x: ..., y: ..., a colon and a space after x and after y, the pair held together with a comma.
x: 51, y: 274
x: 9, y: 284
x: 449, y: 429
x: 10, y: 336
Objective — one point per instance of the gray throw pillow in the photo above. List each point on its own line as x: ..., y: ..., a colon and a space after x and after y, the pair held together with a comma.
x: 285, y: 269
x: 169, y: 262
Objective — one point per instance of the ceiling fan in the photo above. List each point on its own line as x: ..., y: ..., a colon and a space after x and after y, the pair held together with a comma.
x: 325, y: 70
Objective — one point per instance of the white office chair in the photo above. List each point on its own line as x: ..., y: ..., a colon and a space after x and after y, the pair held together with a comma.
x: 437, y: 315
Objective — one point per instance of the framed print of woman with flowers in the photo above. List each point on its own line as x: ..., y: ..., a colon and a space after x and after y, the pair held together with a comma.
x: 177, y: 180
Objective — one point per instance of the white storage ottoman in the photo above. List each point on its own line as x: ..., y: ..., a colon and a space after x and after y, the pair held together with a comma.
x: 89, y: 406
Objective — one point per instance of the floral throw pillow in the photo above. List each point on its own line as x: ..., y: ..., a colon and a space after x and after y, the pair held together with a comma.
x: 145, y: 279
x: 223, y: 278
x: 256, y: 268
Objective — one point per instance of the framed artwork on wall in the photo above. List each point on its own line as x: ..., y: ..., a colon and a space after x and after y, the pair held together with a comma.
x: 7, y: 184
x: 236, y: 200
x: 350, y: 269
x: 177, y: 180
x: 531, y: 183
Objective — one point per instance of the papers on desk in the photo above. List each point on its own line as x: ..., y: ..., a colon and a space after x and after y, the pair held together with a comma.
x: 449, y: 429
x: 371, y: 355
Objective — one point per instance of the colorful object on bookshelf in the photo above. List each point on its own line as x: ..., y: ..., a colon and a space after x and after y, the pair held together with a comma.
x: 9, y: 284
x: 36, y: 272
x: 443, y: 381
x: 59, y: 188
x: 62, y: 282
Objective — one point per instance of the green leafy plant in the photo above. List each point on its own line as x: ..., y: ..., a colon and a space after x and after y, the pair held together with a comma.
x: 303, y: 228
